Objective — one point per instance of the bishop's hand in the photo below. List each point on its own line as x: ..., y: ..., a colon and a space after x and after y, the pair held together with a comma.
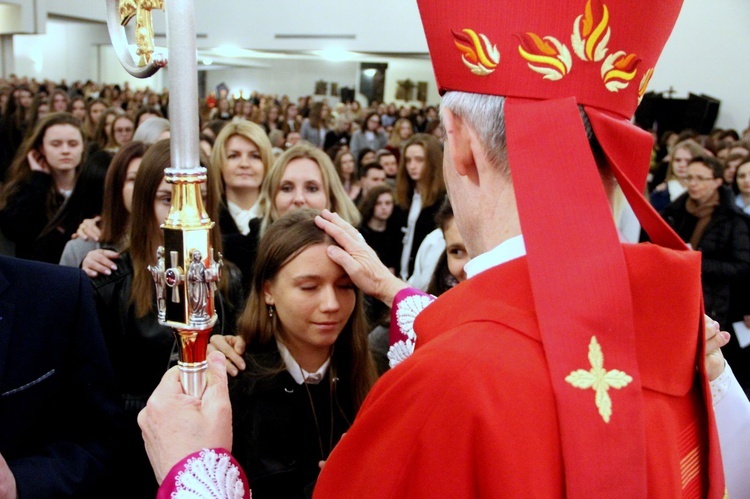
x: 175, y: 425
x: 360, y: 261
x: 715, y: 339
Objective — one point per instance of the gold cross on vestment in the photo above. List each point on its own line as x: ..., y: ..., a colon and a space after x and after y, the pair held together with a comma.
x: 144, y: 28
x: 599, y: 379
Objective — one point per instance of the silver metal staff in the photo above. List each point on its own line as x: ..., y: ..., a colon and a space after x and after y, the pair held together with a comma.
x: 186, y: 271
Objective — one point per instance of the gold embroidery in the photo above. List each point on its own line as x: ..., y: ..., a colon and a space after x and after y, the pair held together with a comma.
x: 644, y: 84
x: 546, y: 56
x: 589, y: 42
x: 478, y: 53
x: 690, y: 466
x: 618, y: 70
x: 599, y: 379
x: 144, y: 29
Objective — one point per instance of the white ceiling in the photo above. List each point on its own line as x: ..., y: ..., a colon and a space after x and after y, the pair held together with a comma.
x: 244, y: 32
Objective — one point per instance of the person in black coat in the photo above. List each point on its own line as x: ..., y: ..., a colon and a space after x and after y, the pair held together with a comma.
x: 58, y: 408
x: 707, y: 218
x: 141, y: 349
x: 241, y: 158
x: 419, y: 193
x: 84, y: 202
x: 307, y: 368
x: 41, y: 178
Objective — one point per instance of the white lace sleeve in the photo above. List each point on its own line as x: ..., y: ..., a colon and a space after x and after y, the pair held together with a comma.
x: 732, y: 410
x: 210, y: 475
x: 406, y: 313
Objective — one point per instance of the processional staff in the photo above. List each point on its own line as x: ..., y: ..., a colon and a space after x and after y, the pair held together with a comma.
x: 191, y: 270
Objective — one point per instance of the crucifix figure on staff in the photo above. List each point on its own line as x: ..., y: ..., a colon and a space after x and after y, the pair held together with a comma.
x: 144, y: 27
x: 187, y: 230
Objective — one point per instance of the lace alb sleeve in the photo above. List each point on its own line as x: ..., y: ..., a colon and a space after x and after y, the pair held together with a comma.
x: 208, y: 474
x: 407, y: 304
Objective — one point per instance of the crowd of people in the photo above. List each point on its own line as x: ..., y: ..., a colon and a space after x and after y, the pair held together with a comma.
x: 78, y: 171
x: 698, y: 186
x: 82, y: 186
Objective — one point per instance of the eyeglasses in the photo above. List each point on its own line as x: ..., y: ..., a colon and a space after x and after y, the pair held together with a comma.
x: 690, y: 178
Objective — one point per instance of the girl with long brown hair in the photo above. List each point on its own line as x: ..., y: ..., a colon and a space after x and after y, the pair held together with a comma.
x: 94, y: 110
x: 111, y: 228
x: 315, y: 127
x: 40, y: 179
x: 308, y: 364
x: 126, y: 307
x: 419, y: 192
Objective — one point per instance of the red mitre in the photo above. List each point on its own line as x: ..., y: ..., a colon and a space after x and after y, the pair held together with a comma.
x: 547, y: 58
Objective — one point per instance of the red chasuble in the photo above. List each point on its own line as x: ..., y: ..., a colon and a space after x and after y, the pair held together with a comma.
x: 472, y: 412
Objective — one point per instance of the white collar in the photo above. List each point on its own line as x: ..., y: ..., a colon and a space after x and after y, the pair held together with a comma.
x: 508, y: 250
x: 300, y: 375
x: 242, y: 217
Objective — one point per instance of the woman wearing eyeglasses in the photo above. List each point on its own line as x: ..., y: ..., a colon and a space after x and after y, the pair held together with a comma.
x: 707, y: 218
x: 370, y: 135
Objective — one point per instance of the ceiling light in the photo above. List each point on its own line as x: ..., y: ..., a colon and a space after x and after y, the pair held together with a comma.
x: 230, y: 51
x: 369, y: 72
x: 335, y: 54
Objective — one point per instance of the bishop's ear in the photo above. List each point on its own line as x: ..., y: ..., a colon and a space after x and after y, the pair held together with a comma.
x: 458, y: 139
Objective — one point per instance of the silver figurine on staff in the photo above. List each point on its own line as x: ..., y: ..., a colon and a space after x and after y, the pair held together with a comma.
x: 186, y: 270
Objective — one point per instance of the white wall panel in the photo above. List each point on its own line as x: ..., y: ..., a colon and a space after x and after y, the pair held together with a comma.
x: 707, y: 52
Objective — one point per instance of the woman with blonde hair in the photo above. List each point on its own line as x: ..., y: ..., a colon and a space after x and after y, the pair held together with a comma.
x: 304, y: 177
x: 675, y: 185
x: 241, y: 156
x: 402, y: 131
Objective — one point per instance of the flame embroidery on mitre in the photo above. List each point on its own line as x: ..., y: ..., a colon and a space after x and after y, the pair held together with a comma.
x: 478, y: 53
x: 618, y: 70
x: 644, y: 84
x: 591, y: 32
x: 545, y: 56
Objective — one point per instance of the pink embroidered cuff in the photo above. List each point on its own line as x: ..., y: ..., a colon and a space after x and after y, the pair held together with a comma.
x: 407, y: 304
x: 208, y: 474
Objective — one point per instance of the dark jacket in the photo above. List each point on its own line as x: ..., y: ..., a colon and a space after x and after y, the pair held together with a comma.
x: 238, y: 248
x: 59, y: 412
x: 277, y: 434
x: 336, y: 138
x: 425, y: 224
x: 725, y: 249
x: 25, y: 215
x: 141, y: 351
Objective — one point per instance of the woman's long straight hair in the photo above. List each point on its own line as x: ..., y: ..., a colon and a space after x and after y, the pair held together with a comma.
x: 145, y: 231
x: 20, y: 170
x: 283, y: 241
x: 432, y: 187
